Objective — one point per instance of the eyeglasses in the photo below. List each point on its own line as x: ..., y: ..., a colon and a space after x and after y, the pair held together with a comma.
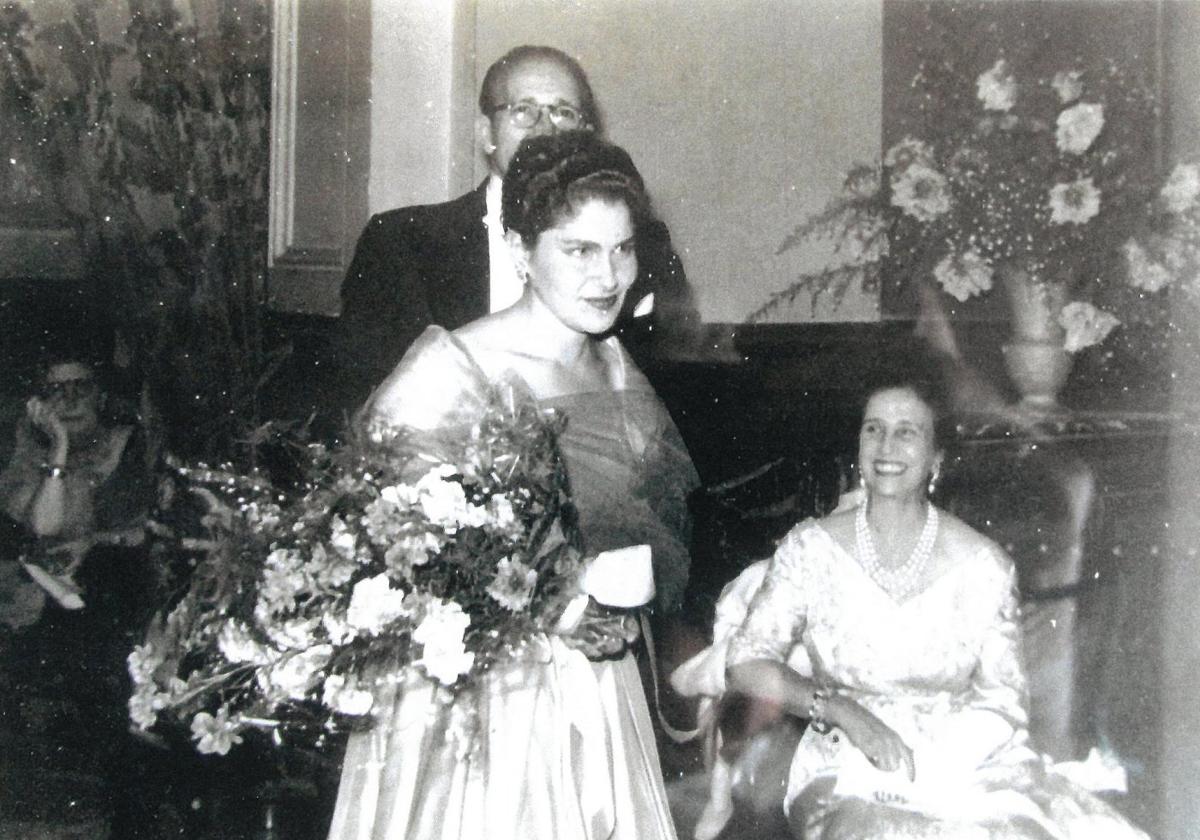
x: 527, y: 115
x: 72, y: 388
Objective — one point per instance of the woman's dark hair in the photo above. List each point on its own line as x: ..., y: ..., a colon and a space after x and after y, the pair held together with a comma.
x: 90, y: 353
x: 928, y: 389
x: 553, y: 175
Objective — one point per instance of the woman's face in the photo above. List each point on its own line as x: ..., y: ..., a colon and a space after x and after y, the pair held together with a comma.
x: 581, y: 268
x: 896, y: 449
x: 73, y: 394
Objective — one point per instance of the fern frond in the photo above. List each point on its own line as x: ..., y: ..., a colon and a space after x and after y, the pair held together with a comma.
x: 835, y: 281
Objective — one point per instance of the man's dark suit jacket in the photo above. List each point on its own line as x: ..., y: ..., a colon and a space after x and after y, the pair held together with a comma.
x: 428, y: 264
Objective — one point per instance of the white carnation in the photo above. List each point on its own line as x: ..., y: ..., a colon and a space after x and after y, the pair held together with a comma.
x: 440, y: 633
x: 1182, y: 188
x: 342, y: 539
x: 922, y: 192
x: 1078, y: 127
x: 374, y: 604
x: 345, y: 698
x: 441, y: 499
x: 964, y: 276
x: 1074, y: 203
x: 1085, y: 325
x: 996, y: 87
x: 1145, y: 273
x: 238, y: 646
x: 337, y: 628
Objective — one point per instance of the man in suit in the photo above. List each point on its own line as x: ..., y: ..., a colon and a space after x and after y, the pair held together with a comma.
x: 448, y: 264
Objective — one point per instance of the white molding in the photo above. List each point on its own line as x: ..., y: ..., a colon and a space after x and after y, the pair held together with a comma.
x: 284, y: 69
x: 320, y: 104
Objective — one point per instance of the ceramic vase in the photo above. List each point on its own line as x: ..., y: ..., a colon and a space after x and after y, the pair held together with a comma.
x: 1037, y: 364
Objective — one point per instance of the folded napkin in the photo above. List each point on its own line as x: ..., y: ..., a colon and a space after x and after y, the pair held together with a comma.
x: 621, y: 578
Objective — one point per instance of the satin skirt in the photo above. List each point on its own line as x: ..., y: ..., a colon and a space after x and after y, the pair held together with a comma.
x: 564, y: 749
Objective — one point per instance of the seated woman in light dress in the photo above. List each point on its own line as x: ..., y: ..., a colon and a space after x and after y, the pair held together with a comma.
x: 567, y: 748
x: 916, y: 695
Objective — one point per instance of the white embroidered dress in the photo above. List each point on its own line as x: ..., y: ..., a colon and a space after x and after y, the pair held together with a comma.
x: 943, y: 669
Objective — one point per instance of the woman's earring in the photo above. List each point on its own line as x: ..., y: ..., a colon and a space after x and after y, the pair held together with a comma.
x: 933, y: 479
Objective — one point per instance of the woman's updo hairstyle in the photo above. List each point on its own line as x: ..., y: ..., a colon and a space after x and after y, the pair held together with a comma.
x: 552, y: 175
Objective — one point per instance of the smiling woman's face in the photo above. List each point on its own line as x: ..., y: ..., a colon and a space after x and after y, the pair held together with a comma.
x: 896, y: 447
x: 73, y: 394
x: 581, y: 268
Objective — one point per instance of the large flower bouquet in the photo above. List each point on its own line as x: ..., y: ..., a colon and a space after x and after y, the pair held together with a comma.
x: 445, y: 554
x: 1046, y: 175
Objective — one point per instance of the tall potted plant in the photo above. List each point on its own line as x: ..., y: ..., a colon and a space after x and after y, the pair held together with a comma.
x: 157, y: 149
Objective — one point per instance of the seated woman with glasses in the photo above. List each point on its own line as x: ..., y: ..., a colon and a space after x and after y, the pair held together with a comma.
x: 74, y: 478
x: 79, y: 485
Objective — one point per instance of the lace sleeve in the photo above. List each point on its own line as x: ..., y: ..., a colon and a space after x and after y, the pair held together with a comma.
x: 776, y: 615
x: 998, y: 684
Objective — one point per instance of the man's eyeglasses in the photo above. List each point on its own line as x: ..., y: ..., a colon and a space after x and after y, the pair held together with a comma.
x: 527, y: 115
x: 73, y: 388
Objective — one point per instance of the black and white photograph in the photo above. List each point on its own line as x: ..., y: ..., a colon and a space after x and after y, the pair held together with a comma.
x: 599, y: 419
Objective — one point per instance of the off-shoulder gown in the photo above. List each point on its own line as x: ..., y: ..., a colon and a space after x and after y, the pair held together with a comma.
x: 567, y: 747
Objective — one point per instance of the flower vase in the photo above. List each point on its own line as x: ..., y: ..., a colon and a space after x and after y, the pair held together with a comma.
x: 1034, y: 356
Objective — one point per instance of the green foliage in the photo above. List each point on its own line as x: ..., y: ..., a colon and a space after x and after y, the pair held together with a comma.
x: 157, y: 152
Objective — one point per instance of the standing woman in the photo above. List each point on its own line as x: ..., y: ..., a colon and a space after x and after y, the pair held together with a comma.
x: 566, y: 746
x: 917, y: 695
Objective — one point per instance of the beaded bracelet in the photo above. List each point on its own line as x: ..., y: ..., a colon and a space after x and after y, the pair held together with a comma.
x: 816, y: 712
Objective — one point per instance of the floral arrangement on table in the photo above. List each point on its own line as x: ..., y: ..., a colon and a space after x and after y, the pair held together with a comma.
x: 1041, y: 177
x: 447, y: 555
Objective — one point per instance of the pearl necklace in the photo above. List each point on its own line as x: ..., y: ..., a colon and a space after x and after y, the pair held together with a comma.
x: 905, y: 579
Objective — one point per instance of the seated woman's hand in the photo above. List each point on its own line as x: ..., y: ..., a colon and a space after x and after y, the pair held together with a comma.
x: 875, y: 739
x: 72, y: 553
x: 43, y: 418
